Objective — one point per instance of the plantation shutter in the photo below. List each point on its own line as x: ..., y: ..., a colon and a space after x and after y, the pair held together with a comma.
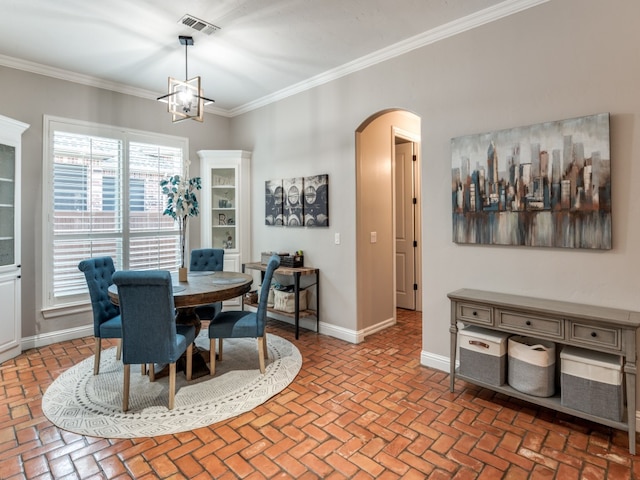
x: 82, y: 228
x: 104, y: 199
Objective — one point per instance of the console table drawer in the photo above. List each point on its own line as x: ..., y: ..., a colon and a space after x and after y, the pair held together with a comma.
x: 595, y: 336
x: 474, y: 314
x: 530, y: 325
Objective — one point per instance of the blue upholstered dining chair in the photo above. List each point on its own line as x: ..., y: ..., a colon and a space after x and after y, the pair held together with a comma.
x: 243, y: 324
x: 149, y: 331
x: 207, y: 260
x: 98, y: 273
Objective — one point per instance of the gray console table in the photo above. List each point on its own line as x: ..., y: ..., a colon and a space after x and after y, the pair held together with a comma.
x: 608, y: 330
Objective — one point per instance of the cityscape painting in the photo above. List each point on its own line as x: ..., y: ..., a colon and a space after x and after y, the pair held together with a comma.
x: 544, y: 185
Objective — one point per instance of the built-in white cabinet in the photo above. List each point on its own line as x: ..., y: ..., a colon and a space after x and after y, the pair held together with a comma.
x: 225, y: 206
x: 10, y: 266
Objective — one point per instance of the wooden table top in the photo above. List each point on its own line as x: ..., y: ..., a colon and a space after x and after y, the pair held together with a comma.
x: 202, y: 288
x: 282, y: 270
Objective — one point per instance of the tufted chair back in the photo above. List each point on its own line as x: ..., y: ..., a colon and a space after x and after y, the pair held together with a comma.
x: 149, y: 331
x: 148, y: 318
x: 98, y: 273
x: 207, y: 259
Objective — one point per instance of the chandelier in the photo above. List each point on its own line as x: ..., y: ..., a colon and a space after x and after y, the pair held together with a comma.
x: 185, y: 99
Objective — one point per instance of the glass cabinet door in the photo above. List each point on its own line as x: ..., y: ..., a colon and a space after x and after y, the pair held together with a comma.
x: 7, y: 205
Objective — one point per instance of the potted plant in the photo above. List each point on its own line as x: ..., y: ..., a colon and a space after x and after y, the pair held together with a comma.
x: 182, y: 203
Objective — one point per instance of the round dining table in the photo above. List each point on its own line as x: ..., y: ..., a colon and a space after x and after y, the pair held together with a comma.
x: 201, y: 288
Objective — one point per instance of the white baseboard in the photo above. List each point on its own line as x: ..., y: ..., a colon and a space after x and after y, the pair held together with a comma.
x: 354, y: 336
x: 348, y: 335
x: 439, y: 362
x: 44, y: 339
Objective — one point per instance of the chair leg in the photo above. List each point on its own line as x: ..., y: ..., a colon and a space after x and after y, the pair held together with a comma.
x: 261, y: 353
x: 119, y: 349
x: 172, y: 385
x: 143, y: 369
x: 96, y: 358
x: 125, y: 389
x: 152, y: 372
x: 189, y: 361
x: 220, y: 349
x: 212, y: 357
x: 266, y: 350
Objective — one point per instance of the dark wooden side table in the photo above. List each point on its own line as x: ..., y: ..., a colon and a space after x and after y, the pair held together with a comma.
x: 296, y: 273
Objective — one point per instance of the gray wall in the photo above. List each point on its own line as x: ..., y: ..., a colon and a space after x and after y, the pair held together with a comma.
x: 562, y: 59
x: 27, y: 97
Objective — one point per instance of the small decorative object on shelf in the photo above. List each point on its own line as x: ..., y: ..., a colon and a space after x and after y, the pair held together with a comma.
x: 228, y: 243
x: 251, y: 297
x: 286, y: 260
x: 182, y: 203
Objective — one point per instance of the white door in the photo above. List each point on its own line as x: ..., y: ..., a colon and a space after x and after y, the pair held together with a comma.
x: 405, y: 227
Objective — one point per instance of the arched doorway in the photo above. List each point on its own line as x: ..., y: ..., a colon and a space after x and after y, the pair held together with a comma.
x: 376, y: 215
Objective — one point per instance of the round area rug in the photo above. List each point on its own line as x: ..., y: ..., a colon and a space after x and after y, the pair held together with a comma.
x: 88, y: 404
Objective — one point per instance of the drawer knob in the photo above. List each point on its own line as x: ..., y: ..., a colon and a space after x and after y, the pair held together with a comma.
x: 475, y: 314
x: 528, y: 323
x: 594, y: 334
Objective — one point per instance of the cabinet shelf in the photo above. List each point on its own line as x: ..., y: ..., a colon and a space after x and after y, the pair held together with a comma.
x: 301, y: 314
x: 554, y: 402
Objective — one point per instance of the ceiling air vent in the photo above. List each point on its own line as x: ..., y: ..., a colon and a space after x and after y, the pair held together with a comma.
x: 199, y: 25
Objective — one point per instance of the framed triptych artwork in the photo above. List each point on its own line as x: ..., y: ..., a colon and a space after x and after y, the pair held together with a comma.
x: 297, y: 202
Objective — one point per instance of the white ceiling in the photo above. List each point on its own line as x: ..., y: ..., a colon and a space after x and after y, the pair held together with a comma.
x: 263, y: 47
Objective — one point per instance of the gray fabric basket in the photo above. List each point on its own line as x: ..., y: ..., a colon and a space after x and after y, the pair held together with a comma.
x: 592, y: 382
x: 532, y: 366
x: 483, y: 355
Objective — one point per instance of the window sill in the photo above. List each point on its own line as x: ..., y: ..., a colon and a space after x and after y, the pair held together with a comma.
x: 66, y: 310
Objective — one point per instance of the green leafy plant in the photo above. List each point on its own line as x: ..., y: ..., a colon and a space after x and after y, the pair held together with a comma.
x: 182, y: 203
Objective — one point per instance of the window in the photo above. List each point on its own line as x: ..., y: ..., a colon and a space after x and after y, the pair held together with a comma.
x: 136, y: 194
x: 105, y: 199
x: 69, y: 182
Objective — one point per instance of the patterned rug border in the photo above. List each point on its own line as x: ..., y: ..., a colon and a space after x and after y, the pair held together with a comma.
x: 79, y: 402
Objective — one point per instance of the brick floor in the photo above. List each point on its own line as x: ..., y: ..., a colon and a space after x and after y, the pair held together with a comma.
x: 354, y: 412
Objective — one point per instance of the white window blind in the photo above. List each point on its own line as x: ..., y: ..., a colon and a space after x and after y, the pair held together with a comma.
x: 104, y: 198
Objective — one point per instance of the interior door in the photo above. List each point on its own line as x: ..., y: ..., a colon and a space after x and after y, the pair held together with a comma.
x: 405, y: 227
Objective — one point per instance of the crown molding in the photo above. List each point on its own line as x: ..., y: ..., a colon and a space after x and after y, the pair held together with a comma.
x: 455, y: 27
x: 88, y: 80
